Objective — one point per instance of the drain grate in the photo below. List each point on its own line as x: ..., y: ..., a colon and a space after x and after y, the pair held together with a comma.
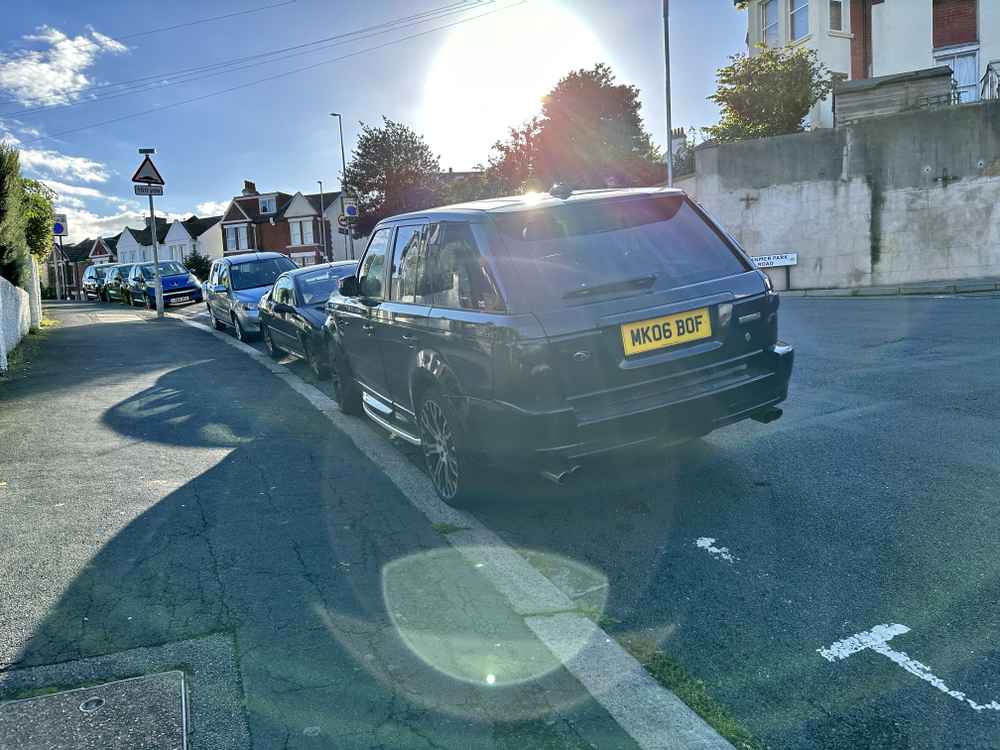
x: 142, y: 713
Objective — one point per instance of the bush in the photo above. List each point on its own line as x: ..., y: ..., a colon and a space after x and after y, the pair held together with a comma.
x: 198, y: 264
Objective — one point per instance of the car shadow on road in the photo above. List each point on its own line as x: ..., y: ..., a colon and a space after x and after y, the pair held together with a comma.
x: 282, y: 538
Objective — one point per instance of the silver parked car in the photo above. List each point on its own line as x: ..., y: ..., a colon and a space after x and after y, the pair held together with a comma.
x: 235, y: 286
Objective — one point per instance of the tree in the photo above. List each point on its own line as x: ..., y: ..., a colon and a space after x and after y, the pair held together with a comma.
x: 39, y: 216
x: 589, y: 134
x: 198, y: 264
x: 13, y: 243
x: 769, y: 93
x: 392, y: 171
x: 514, y: 167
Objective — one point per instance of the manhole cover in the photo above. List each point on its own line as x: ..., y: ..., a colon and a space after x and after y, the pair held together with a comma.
x: 143, y: 713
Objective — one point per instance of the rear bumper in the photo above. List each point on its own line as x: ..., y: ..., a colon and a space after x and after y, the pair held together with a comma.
x: 512, y: 436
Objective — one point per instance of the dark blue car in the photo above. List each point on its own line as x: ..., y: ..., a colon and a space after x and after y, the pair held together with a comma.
x: 179, y: 284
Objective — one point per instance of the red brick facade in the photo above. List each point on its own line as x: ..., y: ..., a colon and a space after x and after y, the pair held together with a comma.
x: 955, y: 22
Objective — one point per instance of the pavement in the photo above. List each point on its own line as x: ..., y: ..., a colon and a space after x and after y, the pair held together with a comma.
x: 981, y: 285
x: 832, y: 577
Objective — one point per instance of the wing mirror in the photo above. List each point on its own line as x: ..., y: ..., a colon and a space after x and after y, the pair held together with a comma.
x: 349, y: 287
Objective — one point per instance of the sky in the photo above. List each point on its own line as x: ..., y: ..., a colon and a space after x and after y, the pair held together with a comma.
x: 248, y: 96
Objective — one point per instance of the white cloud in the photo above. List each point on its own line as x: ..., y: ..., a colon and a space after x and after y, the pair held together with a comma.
x: 69, y: 201
x: 48, y: 162
x: 211, y: 208
x: 57, y: 73
x: 63, y: 190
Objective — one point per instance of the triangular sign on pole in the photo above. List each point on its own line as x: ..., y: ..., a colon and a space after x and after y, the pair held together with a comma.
x: 148, y: 173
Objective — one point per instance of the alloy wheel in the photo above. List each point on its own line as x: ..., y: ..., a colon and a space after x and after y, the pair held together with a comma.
x: 265, y: 333
x: 437, y: 438
x: 239, y: 329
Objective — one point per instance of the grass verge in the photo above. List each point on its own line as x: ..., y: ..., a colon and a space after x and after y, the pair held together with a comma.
x: 672, y: 675
x: 21, y: 354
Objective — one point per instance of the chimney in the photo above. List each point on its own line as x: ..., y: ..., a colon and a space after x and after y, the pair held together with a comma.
x: 249, y: 188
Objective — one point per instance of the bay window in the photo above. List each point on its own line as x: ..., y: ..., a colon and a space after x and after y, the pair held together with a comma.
x: 301, y: 232
x: 769, y: 23
x: 798, y: 21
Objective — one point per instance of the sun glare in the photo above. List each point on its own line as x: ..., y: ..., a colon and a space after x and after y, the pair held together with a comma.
x: 491, y: 74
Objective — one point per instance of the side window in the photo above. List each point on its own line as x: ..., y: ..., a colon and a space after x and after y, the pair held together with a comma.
x: 456, y: 273
x: 372, y: 271
x: 405, y: 263
x: 283, y: 291
x: 213, y: 275
x: 224, y: 277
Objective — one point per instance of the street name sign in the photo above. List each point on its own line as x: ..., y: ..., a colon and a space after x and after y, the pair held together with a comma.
x: 775, y: 261
x: 148, y: 189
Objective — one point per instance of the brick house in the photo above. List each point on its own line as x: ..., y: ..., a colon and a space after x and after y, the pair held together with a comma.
x: 862, y: 39
x: 70, y: 261
x: 75, y: 259
x: 284, y: 223
x: 105, y: 250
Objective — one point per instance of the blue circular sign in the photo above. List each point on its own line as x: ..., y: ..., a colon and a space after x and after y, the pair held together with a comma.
x: 58, y: 228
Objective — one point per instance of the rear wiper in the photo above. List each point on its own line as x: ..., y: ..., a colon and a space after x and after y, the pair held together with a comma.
x: 639, y: 282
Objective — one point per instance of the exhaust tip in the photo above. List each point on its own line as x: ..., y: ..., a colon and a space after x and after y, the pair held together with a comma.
x: 766, y: 416
x: 560, y: 476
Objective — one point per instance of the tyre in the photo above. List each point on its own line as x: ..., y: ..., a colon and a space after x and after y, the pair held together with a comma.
x: 216, y: 323
x: 127, y: 299
x: 273, y: 351
x: 442, y: 440
x: 319, y: 368
x: 345, y: 388
x: 241, y: 335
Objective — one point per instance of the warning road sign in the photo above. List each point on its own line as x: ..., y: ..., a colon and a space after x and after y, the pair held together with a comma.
x: 147, y: 173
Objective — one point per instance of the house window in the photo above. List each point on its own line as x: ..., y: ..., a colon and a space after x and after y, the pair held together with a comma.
x: 798, y: 21
x: 267, y: 205
x: 236, y: 237
x: 955, y: 22
x: 301, y: 231
x: 964, y: 66
x: 769, y: 23
x: 836, y: 15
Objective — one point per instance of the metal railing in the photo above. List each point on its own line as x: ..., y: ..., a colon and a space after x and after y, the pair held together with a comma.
x: 990, y: 85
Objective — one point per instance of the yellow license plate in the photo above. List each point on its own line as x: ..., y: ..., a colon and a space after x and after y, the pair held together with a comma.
x: 670, y: 330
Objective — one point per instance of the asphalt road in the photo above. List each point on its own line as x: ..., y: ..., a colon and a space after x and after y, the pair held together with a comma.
x: 873, y: 501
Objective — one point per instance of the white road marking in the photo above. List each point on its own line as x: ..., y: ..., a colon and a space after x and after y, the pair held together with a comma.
x: 877, y: 639
x: 651, y: 715
x: 707, y: 543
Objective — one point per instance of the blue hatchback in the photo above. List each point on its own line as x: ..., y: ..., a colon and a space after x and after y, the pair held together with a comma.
x: 179, y: 284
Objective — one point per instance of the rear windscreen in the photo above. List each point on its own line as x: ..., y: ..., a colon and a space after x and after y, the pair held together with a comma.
x: 601, y: 249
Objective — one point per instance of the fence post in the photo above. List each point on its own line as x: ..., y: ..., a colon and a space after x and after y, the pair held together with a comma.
x: 35, y: 296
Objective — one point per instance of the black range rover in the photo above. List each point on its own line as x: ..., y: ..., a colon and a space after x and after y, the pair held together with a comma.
x: 540, y: 330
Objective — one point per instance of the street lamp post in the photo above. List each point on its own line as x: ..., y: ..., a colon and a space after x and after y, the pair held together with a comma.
x: 322, y: 222
x: 666, y: 56
x: 343, y: 179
